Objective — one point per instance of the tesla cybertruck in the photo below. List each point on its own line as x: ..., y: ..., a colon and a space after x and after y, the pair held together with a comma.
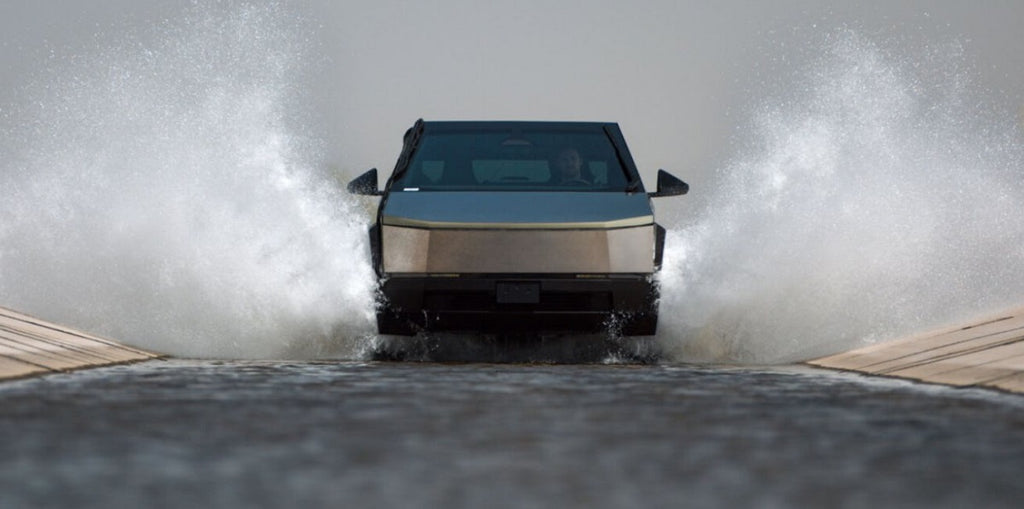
x: 516, y: 227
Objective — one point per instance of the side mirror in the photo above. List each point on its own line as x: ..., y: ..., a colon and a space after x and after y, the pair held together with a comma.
x: 365, y: 184
x: 669, y: 185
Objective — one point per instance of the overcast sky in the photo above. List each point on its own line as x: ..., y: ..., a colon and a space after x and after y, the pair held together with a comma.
x: 679, y: 76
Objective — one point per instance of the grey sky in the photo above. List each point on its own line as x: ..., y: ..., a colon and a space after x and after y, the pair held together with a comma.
x: 678, y: 76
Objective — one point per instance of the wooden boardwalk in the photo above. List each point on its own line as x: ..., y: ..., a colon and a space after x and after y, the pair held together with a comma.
x: 30, y: 346
x: 988, y: 352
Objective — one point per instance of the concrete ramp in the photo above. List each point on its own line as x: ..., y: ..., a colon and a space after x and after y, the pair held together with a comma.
x: 988, y: 352
x: 30, y: 346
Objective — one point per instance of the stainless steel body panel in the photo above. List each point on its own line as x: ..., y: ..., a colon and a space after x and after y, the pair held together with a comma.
x: 458, y: 251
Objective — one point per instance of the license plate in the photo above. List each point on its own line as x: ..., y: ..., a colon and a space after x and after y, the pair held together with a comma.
x: 518, y: 293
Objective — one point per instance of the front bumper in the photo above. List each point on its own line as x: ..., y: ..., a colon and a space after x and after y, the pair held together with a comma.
x: 518, y: 303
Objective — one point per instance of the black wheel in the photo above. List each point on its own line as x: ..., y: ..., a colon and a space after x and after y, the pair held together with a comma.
x: 645, y: 322
x: 390, y: 322
x: 641, y: 324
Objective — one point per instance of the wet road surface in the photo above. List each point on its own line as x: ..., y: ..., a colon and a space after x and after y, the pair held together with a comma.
x: 378, y: 434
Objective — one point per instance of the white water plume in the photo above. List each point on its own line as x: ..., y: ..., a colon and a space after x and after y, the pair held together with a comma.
x: 161, y: 193
x: 875, y: 196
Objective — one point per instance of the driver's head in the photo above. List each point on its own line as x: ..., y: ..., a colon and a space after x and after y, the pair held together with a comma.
x: 568, y: 163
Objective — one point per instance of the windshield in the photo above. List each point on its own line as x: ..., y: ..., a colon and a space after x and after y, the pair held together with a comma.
x: 514, y: 160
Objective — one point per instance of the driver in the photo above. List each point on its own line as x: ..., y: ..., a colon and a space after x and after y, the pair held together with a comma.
x: 568, y: 166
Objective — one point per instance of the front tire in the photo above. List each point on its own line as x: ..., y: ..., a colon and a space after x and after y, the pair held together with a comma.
x: 391, y: 322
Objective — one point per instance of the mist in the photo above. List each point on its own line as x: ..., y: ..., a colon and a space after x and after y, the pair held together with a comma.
x: 678, y: 76
x: 880, y: 198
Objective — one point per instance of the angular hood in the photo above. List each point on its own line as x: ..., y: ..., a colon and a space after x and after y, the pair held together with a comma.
x: 517, y: 210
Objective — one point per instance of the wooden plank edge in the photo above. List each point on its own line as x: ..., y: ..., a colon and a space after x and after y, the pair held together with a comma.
x: 13, y: 367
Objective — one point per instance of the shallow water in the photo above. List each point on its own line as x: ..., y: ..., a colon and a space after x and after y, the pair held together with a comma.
x: 372, y: 434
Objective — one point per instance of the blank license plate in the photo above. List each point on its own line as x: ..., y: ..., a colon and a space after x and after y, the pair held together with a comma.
x: 518, y: 293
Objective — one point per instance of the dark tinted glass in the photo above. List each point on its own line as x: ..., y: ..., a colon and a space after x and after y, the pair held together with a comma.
x: 514, y: 160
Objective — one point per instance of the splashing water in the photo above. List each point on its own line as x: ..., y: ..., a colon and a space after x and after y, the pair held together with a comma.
x: 879, y: 198
x: 161, y: 194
